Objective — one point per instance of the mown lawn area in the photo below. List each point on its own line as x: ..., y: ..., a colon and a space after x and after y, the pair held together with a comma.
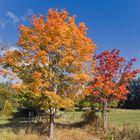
x: 116, y: 117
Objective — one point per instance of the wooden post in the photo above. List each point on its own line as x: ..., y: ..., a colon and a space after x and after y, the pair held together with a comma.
x: 104, y: 116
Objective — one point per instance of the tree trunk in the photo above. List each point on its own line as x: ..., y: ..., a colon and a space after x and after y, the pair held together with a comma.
x: 51, y: 120
x: 104, y: 116
x: 51, y: 123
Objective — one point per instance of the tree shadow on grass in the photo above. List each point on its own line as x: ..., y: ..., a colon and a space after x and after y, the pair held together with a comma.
x: 71, y: 125
x: 15, y: 124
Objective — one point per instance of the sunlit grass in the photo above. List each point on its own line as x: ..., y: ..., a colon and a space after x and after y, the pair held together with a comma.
x: 4, y: 119
x: 116, y: 117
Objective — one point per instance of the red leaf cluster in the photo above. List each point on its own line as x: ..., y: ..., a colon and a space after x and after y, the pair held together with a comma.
x: 113, y: 73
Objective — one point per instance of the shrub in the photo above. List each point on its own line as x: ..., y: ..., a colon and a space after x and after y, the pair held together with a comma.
x: 91, y: 118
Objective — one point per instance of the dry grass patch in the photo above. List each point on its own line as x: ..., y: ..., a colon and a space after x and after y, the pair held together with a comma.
x: 74, y: 134
x: 60, y: 134
x: 20, y: 135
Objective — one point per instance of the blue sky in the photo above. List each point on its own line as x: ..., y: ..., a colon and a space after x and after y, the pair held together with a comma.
x: 111, y: 23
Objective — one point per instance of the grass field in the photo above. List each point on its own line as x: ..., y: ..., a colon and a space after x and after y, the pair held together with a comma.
x: 116, y: 117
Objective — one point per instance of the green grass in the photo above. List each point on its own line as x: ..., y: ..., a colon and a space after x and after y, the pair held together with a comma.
x: 118, y: 117
x: 70, y: 117
x: 4, y: 119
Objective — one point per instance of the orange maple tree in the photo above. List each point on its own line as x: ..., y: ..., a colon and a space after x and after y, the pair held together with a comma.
x: 51, y: 59
x: 110, y: 82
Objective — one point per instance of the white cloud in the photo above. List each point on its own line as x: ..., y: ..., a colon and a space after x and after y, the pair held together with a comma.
x: 4, y: 47
x: 28, y: 13
x: 13, y: 48
x: 15, y: 19
x: 3, y: 23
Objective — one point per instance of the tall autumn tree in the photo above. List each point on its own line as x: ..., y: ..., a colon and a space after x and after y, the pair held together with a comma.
x: 110, y: 82
x: 51, y: 59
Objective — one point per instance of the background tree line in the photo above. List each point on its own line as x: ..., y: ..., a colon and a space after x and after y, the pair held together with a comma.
x: 133, y: 97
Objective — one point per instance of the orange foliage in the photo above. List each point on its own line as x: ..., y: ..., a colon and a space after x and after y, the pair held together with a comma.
x: 51, y: 53
x: 16, y: 86
x: 113, y: 73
